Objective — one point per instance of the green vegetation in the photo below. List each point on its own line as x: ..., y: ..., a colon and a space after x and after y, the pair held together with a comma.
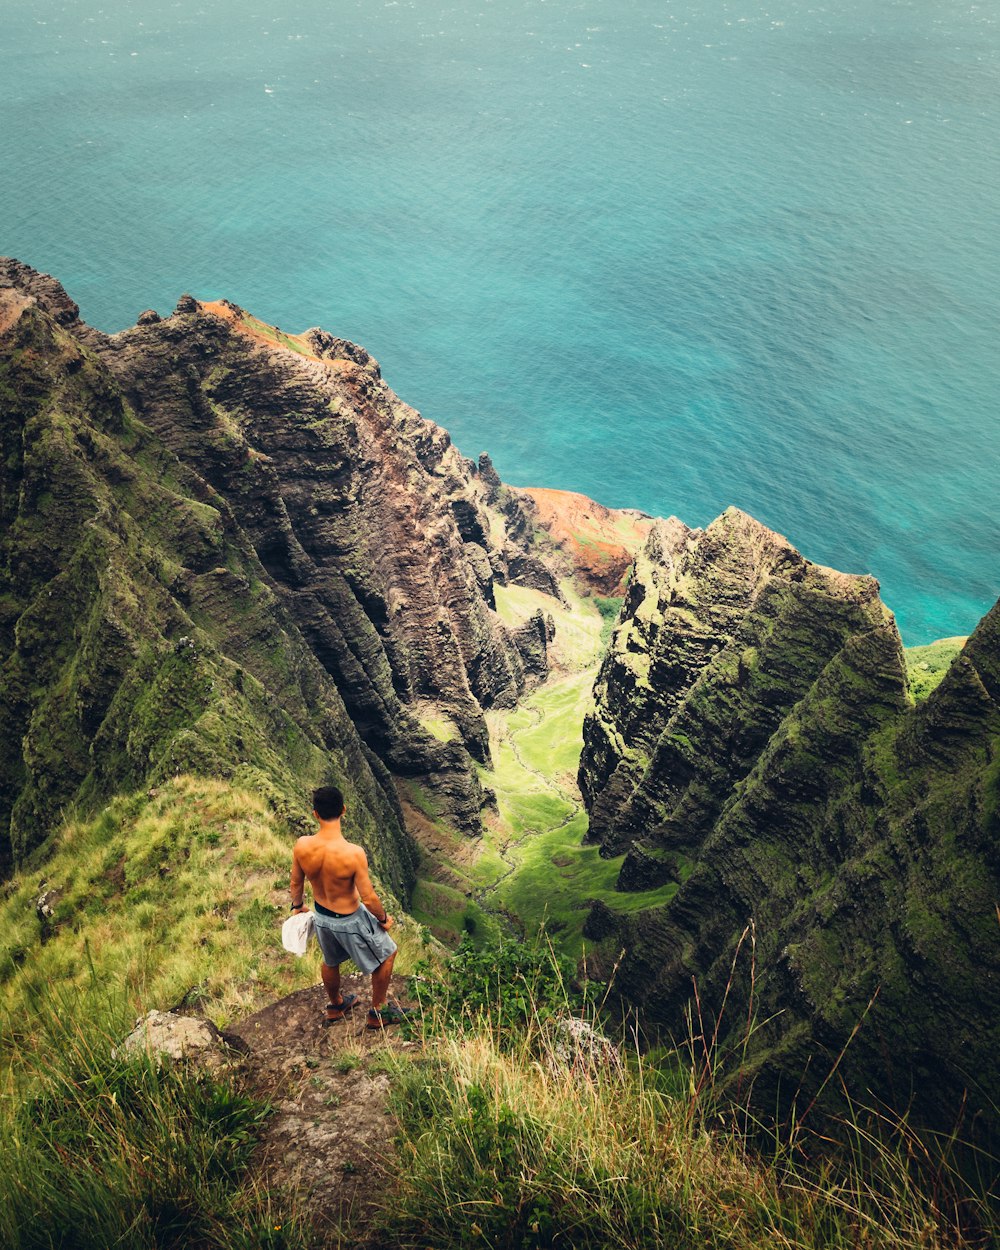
x: 531, y: 862
x: 100, y: 1150
x: 441, y: 727
x: 927, y: 665
x: 279, y: 337
x: 513, y: 1135
x: 174, y: 896
x: 549, y: 875
x: 609, y: 607
x: 556, y: 878
x: 449, y: 914
x: 503, y: 984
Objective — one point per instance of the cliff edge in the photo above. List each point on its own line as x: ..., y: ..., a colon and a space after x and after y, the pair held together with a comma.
x: 754, y: 742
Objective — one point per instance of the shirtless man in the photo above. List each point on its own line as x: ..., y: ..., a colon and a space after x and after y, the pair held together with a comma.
x: 337, y: 870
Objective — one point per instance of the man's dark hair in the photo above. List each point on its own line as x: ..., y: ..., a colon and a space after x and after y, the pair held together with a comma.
x: 328, y: 803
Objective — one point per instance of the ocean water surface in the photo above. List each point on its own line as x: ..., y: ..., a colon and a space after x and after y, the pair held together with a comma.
x: 674, y: 255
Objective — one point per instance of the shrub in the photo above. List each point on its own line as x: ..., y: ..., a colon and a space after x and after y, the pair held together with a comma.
x: 510, y: 984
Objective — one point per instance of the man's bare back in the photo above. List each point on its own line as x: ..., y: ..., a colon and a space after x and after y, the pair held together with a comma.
x: 337, y: 871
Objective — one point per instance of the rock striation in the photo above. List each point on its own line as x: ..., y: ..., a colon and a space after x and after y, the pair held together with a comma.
x: 370, y: 526
x: 754, y: 743
x: 721, y: 633
x: 226, y: 547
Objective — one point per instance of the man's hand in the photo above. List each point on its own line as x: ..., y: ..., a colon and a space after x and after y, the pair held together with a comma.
x: 389, y: 922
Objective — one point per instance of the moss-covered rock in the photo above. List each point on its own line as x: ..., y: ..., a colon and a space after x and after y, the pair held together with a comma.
x: 778, y: 749
x: 377, y: 537
x: 139, y: 635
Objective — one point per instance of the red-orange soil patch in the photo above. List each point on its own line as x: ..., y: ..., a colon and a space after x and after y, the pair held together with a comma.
x: 600, y: 541
x: 270, y: 336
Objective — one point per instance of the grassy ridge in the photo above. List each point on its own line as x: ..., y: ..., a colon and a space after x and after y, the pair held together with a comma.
x: 169, y: 896
x: 172, y: 895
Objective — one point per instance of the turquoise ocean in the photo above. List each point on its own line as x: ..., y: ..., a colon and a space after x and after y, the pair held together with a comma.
x: 675, y: 255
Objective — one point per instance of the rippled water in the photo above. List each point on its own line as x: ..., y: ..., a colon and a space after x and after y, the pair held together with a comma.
x: 675, y: 256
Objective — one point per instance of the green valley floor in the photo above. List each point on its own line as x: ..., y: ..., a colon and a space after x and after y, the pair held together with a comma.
x: 531, y: 866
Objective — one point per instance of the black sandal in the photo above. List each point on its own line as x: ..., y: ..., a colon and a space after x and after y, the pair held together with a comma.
x: 335, y: 1012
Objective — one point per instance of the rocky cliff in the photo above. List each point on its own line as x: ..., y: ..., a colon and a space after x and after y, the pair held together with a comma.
x: 754, y: 742
x: 233, y: 551
x: 224, y: 546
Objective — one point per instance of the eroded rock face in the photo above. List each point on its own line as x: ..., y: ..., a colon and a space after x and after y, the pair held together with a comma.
x: 139, y: 636
x: 754, y: 742
x: 226, y: 548
x: 373, y: 530
x: 597, y: 543
x: 722, y: 632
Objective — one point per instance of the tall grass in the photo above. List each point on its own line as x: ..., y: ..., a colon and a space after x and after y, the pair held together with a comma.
x: 170, y: 896
x: 511, y: 1139
x: 99, y: 1149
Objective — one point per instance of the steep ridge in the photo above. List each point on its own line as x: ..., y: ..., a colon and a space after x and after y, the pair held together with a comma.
x: 138, y: 635
x: 224, y: 549
x: 721, y: 633
x: 373, y: 530
x: 781, y: 776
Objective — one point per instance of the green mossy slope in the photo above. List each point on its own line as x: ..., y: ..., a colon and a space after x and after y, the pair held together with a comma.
x: 860, y: 845
x: 138, y: 636
x: 170, y: 895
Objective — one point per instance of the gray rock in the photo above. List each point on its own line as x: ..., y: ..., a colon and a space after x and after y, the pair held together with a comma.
x: 176, y: 1037
x: 578, y: 1047
x: 45, y: 904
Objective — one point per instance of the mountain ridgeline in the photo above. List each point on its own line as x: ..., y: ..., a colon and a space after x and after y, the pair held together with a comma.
x: 754, y: 742
x: 226, y: 550
x: 231, y: 551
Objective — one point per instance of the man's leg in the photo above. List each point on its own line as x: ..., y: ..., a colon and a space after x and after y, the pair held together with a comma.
x: 380, y: 982
x: 338, y: 1003
x: 331, y: 982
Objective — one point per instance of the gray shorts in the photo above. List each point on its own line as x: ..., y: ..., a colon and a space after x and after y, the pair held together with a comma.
x: 358, y: 937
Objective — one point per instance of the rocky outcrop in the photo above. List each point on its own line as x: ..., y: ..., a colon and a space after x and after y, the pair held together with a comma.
x: 722, y: 632
x: 776, y: 770
x: 166, y: 1036
x: 208, y: 477
x: 532, y: 641
x: 139, y: 634
x: 373, y: 531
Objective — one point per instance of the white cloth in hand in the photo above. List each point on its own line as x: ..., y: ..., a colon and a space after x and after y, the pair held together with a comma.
x: 296, y: 932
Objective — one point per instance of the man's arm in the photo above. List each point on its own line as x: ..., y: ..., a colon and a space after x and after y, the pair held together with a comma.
x: 364, y: 886
x: 297, y: 883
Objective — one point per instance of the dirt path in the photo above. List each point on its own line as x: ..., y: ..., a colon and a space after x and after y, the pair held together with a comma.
x: 329, y: 1143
